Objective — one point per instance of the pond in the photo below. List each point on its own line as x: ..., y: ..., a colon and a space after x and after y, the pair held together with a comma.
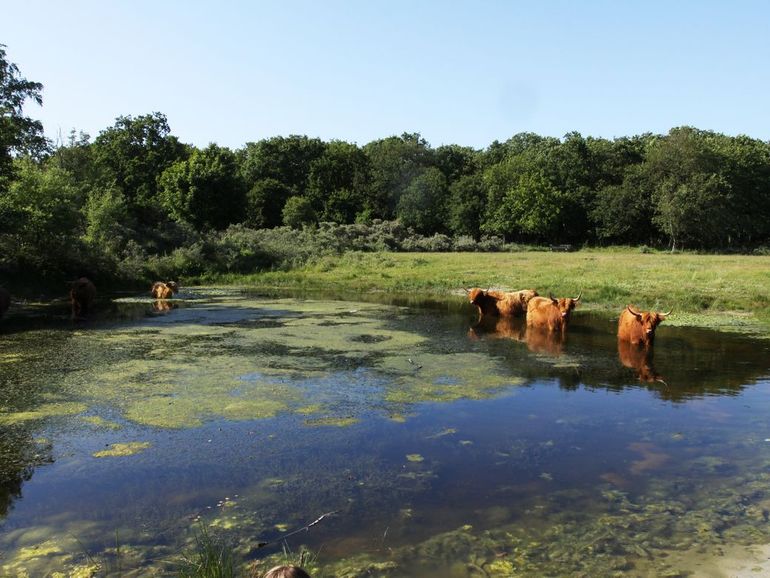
x: 437, y: 446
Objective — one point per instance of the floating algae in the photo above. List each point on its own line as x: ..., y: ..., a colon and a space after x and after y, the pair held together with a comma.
x: 332, y: 421
x: 99, y: 422
x: 44, y: 411
x: 122, y: 449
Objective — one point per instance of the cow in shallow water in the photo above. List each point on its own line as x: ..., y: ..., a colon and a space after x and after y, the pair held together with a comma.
x: 501, y: 303
x: 5, y: 301
x: 550, y: 313
x: 82, y: 297
x: 164, y: 290
x: 638, y: 327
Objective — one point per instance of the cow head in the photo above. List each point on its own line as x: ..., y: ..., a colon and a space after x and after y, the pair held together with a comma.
x: 565, y: 305
x: 477, y: 295
x: 648, y: 319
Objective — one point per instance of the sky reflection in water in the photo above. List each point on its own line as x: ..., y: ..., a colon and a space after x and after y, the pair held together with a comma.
x: 432, y: 436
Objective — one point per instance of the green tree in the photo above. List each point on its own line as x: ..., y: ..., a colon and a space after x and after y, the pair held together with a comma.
x: 283, y: 159
x: 19, y: 134
x: 467, y: 205
x: 623, y: 213
x: 339, y: 181
x: 132, y: 154
x: 40, y: 220
x: 205, y: 190
x: 423, y: 206
x: 298, y: 212
x: 692, y: 197
x: 109, y: 222
x: 264, y: 203
x: 456, y: 161
x: 395, y: 162
x: 541, y: 191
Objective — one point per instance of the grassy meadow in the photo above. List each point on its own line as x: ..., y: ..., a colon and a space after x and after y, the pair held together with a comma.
x: 729, y: 292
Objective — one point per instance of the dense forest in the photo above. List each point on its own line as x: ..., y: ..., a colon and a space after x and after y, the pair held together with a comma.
x: 134, y: 203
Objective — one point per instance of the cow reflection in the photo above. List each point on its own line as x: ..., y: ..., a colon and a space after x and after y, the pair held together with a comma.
x: 639, y: 358
x: 541, y: 340
x: 538, y: 340
x: 499, y: 328
x: 163, y: 306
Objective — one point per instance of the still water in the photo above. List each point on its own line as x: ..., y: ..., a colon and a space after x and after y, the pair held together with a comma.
x: 438, y: 447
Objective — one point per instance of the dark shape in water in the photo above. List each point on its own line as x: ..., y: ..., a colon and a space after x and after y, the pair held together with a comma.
x: 82, y: 297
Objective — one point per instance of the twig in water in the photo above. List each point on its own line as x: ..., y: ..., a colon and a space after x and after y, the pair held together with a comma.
x: 302, y: 529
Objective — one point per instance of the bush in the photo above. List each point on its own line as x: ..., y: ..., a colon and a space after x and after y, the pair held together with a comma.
x: 491, y: 244
x: 465, y: 244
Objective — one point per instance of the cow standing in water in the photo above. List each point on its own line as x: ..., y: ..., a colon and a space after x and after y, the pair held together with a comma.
x: 500, y: 303
x: 550, y: 313
x: 636, y: 335
x: 5, y: 301
x: 161, y: 290
x: 638, y: 327
x: 82, y: 297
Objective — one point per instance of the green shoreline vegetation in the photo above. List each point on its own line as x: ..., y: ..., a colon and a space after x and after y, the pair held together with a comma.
x: 726, y: 292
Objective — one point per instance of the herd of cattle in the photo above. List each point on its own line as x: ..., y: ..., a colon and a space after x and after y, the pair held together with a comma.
x: 501, y: 314
x: 553, y: 315
x: 546, y: 318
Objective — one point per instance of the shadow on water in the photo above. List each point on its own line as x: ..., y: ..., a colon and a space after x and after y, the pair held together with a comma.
x: 257, y: 413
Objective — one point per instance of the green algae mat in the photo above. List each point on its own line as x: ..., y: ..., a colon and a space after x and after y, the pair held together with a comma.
x: 426, y: 444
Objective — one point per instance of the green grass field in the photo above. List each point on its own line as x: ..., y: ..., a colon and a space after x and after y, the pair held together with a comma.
x: 730, y: 292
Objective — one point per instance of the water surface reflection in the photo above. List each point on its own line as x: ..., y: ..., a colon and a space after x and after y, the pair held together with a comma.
x: 483, y: 449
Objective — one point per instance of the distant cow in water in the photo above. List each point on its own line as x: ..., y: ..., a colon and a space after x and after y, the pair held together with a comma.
x: 164, y: 290
x: 501, y: 303
x: 82, y: 297
x: 5, y: 301
x: 550, y: 313
x: 638, y: 327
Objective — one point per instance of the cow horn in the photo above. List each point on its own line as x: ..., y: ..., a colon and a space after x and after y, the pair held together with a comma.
x: 633, y: 312
x: 466, y: 290
x: 666, y: 314
x: 578, y: 297
x: 552, y: 298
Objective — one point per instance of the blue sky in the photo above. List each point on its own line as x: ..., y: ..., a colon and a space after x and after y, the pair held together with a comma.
x: 468, y: 73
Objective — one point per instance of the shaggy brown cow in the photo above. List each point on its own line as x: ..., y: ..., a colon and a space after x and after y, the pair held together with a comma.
x: 161, y: 290
x: 639, y: 359
x: 638, y: 327
x: 5, y: 301
x: 82, y: 296
x: 550, y: 313
x: 501, y: 303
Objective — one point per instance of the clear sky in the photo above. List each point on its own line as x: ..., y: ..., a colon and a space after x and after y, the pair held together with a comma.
x: 467, y: 72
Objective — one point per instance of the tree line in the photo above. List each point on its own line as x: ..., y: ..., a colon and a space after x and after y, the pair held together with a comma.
x: 135, y: 193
